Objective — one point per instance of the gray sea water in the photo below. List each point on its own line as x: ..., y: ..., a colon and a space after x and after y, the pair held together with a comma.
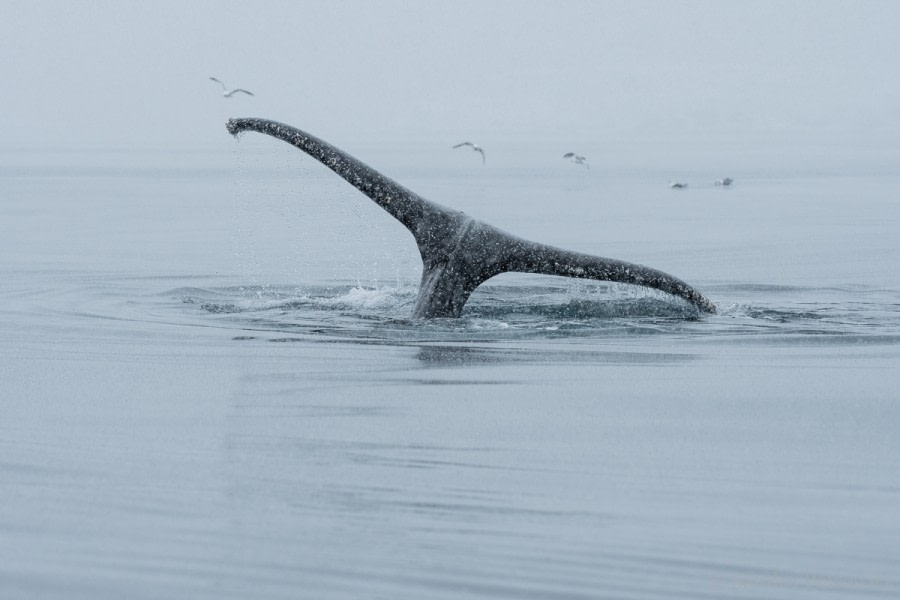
x: 210, y: 388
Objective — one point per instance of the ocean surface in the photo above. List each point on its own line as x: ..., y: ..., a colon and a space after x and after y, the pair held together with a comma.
x: 211, y: 389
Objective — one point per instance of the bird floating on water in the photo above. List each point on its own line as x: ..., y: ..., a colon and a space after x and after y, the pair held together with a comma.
x: 475, y: 147
x: 677, y: 185
x: 726, y: 181
x: 577, y: 159
x: 229, y: 93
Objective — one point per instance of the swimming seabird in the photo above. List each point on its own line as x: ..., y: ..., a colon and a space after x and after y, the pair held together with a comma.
x: 677, y: 185
x: 726, y: 181
x: 577, y: 159
x: 475, y: 147
x: 227, y: 93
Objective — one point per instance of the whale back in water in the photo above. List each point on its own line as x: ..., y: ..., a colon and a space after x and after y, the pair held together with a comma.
x: 460, y: 253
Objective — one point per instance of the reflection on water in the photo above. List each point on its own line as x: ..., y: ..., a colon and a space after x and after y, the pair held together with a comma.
x: 460, y: 356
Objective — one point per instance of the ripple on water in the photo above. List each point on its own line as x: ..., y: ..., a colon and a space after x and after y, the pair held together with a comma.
x: 553, y: 312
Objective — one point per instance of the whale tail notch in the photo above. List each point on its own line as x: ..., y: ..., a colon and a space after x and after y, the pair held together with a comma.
x: 460, y: 253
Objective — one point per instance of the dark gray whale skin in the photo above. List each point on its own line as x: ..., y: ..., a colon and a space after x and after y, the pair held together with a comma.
x: 460, y: 253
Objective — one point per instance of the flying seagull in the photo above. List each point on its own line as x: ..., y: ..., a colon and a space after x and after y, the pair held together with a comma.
x: 577, y: 159
x: 726, y: 181
x: 229, y: 94
x: 475, y: 147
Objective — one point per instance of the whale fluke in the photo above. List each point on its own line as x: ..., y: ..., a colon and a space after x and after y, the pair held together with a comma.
x: 460, y: 253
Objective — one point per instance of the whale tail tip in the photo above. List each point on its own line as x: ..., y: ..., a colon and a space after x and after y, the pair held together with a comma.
x: 232, y: 127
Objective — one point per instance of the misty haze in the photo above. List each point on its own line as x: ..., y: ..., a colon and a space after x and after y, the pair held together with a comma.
x: 214, y: 381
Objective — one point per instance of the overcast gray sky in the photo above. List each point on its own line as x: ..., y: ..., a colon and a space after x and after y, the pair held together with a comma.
x: 136, y: 73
